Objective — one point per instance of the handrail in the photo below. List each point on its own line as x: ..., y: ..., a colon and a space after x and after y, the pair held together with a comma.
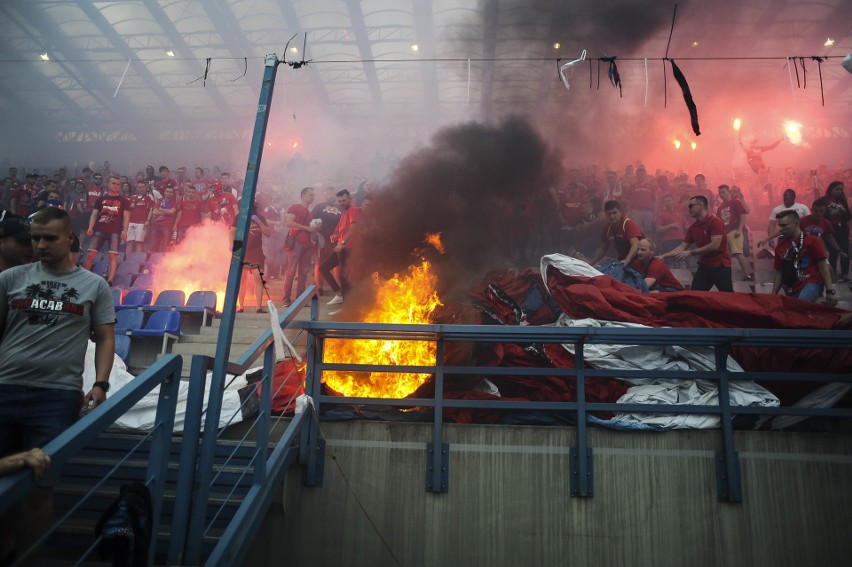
x: 720, y: 340
x: 194, y: 485
x: 164, y: 373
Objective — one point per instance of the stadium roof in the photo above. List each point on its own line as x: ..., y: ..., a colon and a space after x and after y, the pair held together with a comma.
x: 147, y: 70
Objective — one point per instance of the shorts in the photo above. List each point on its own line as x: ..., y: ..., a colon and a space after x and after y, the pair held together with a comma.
x: 99, y: 237
x: 136, y: 232
x: 32, y: 417
x: 735, y: 243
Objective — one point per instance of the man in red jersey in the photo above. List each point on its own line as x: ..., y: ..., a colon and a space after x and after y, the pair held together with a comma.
x: 657, y: 275
x: 189, y: 212
x: 801, y: 263
x: 139, y: 204
x: 109, y: 221
x: 342, y: 238
x: 619, y: 232
x: 708, y: 235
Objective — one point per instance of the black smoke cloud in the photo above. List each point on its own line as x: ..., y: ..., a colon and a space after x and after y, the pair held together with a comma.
x: 612, y: 27
x: 485, y: 188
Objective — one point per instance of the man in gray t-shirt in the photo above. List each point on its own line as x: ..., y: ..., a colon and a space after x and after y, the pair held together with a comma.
x: 48, y: 311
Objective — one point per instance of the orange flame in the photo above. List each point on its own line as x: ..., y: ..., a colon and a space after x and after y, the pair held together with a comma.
x: 408, y: 299
x: 199, y: 262
x: 435, y: 241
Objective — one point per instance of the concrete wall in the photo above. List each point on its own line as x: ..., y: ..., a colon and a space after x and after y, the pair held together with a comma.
x: 509, y: 501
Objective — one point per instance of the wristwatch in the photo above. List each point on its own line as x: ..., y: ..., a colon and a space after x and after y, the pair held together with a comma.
x: 103, y: 385
x: 831, y: 291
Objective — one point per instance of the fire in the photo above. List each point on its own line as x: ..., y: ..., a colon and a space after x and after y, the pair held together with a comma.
x: 737, y: 124
x: 694, y: 145
x: 793, y: 130
x: 200, y: 262
x: 435, y: 241
x: 676, y: 143
x: 400, y: 300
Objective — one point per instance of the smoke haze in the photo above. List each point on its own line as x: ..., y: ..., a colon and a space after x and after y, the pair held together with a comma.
x: 484, y: 188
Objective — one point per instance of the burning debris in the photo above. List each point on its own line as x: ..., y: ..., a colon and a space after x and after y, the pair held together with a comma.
x: 408, y: 299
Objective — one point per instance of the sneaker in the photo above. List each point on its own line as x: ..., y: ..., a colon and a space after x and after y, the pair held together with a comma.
x: 748, y: 279
x: 287, y: 302
x: 335, y: 312
x: 336, y: 300
x: 261, y: 310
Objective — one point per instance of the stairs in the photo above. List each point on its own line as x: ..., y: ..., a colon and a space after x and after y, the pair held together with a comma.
x: 232, y: 478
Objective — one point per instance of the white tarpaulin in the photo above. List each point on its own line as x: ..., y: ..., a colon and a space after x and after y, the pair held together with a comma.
x: 142, y: 415
x: 646, y: 357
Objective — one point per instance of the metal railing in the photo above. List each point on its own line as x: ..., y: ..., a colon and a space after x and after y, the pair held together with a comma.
x: 438, y: 453
x: 267, y: 465
x: 258, y: 476
x: 165, y: 374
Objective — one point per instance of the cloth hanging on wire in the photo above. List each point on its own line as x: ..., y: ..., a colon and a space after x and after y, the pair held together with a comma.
x: 612, y: 73
x: 687, y: 97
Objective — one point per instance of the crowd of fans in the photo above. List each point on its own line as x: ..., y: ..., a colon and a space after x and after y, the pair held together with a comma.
x: 596, y: 210
x: 152, y: 211
x: 642, y: 214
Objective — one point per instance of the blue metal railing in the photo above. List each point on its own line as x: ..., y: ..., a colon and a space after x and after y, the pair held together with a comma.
x: 268, y: 463
x: 721, y: 340
x: 165, y: 374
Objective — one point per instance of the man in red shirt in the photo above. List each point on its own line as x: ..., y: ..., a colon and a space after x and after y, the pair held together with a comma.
x: 165, y: 180
x: 816, y: 223
x: 23, y: 201
x: 202, y: 186
x: 733, y: 213
x: 298, y: 220
x: 642, y: 197
x: 110, y: 219
x: 620, y: 232
x: 711, y: 246
x: 657, y: 275
x: 139, y: 204
x: 801, y: 262
x: 189, y: 211
x: 222, y: 206
x: 342, y: 238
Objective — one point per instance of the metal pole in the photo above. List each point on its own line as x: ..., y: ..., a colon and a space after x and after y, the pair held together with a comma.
x: 226, y: 329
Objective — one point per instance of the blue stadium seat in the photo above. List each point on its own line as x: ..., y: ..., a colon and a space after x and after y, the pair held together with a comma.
x: 122, y: 280
x: 140, y: 257
x: 201, y: 303
x: 165, y: 324
x: 143, y: 281
x: 100, y: 268
x: 127, y: 320
x: 128, y: 268
x: 122, y: 346
x: 168, y: 300
x: 116, y: 296
x: 136, y: 299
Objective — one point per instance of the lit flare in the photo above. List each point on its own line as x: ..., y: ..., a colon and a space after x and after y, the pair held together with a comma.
x: 793, y: 130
